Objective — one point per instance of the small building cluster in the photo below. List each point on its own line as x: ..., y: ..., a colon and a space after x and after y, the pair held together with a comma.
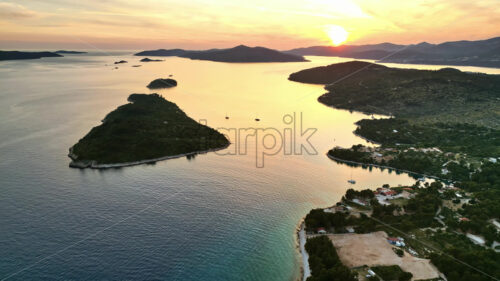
x: 361, y: 202
x: 337, y: 209
x: 396, y: 241
x: 425, y: 149
x: 370, y: 273
x: 413, y: 252
x: 385, y: 192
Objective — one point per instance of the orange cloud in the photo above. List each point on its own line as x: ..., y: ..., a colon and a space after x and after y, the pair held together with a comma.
x: 15, y: 11
x: 279, y: 24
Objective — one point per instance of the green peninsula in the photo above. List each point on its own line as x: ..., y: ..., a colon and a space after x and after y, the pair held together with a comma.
x: 445, y: 95
x: 147, y: 129
x: 446, y: 112
x: 443, y: 124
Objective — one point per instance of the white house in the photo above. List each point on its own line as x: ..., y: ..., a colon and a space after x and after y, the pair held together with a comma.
x: 321, y: 230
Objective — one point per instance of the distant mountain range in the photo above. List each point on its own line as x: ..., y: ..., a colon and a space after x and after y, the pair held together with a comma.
x: 69, y: 52
x: 240, y: 53
x: 472, y: 53
x: 17, y: 55
x: 376, y: 51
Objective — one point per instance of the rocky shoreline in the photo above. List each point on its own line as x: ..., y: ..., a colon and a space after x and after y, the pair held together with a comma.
x: 92, y: 164
x: 383, y: 167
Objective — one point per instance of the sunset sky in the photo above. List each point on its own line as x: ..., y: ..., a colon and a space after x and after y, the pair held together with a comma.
x: 280, y: 24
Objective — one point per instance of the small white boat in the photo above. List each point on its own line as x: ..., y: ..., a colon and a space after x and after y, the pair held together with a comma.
x: 351, y: 181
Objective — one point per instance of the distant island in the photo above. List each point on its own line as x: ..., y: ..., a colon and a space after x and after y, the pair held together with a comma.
x: 17, y: 55
x: 165, y: 53
x: 484, y: 53
x: 162, y: 83
x: 149, y: 60
x: 121, y: 61
x: 146, y: 130
x: 240, y: 53
x: 69, y: 52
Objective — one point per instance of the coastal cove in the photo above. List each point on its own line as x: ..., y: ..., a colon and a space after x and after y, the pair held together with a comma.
x: 212, y: 217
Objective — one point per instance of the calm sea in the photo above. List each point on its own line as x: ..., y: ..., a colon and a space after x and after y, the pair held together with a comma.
x: 214, y: 217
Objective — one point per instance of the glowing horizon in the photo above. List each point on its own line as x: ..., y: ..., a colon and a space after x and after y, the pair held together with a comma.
x: 279, y: 24
x: 337, y: 34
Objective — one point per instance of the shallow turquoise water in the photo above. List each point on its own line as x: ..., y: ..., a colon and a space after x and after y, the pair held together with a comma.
x: 215, y: 217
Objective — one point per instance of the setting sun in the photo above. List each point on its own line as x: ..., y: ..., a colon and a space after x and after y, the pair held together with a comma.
x: 337, y: 34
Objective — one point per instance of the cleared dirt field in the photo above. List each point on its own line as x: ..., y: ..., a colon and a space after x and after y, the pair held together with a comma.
x: 372, y: 249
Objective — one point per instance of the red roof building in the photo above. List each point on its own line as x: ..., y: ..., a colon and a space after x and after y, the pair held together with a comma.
x: 321, y: 230
x: 389, y: 193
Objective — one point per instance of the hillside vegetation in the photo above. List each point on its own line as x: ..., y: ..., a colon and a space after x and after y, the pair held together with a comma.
x: 239, y: 53
x: 446, y: 95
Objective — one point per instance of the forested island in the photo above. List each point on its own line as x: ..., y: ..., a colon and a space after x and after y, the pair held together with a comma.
x: 18, y: 55
x: 147, y: 129
x: 70, y: 52
x: 440, y: 124
x: 240, y: 53
x: 149, y: 60
x: 161, y: 83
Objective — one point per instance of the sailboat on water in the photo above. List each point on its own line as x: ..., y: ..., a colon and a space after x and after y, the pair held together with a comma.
x: 351, y: 181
